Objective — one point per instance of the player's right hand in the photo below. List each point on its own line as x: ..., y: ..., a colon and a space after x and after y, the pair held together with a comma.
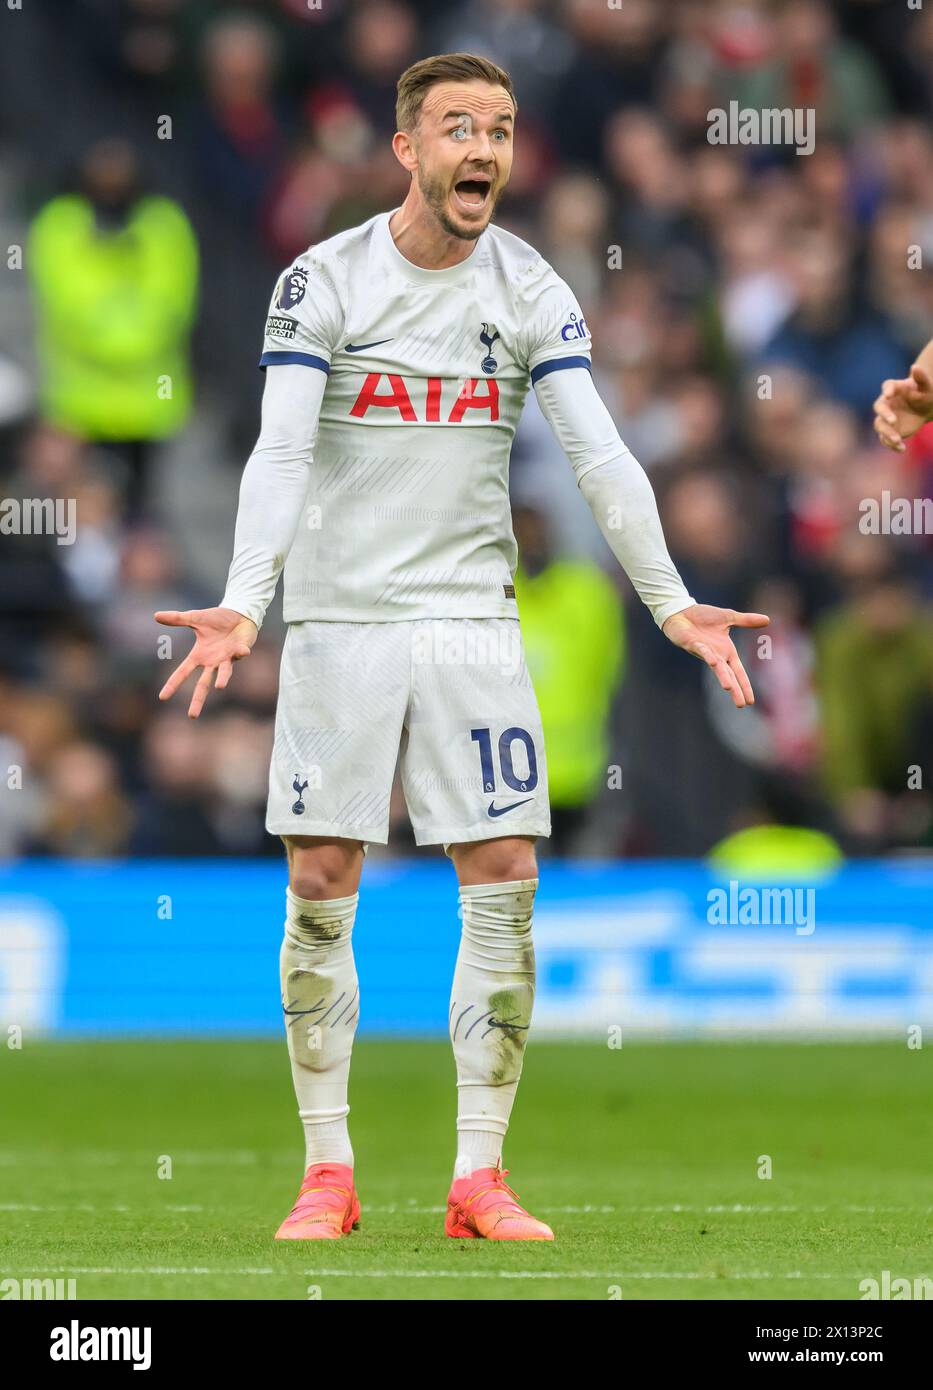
x: 222, y: 636
x: 903, y: 408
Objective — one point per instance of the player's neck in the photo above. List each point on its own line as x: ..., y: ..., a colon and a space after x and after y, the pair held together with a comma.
x: 420, y: 238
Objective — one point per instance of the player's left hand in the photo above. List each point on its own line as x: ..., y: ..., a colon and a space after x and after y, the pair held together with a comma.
x: 703, y: 631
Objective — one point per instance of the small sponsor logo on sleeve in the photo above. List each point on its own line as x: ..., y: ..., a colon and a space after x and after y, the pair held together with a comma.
x: 280, y: 326
x: 574, y: 328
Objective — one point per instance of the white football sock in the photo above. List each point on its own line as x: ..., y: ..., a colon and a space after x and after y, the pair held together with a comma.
x: 320, y: 996
x: 477, y: 1148
x: 490, y: 1013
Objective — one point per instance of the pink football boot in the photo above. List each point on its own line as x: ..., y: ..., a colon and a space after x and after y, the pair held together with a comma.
x: 327, y: 1206
x: 484, y: 1205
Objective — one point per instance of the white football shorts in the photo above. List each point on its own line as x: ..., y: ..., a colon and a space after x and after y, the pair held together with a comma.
x: 449, y: 698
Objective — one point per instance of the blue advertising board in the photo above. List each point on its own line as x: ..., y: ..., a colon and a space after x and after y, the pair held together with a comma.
x: 650, y: 949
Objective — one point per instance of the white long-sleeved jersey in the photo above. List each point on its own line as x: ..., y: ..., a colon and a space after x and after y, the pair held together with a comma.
x: 381, y: 470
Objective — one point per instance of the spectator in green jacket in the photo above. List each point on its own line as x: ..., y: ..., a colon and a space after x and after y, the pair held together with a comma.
x: 573, y: 632
x: 875, y: 678
x: 115, y: 273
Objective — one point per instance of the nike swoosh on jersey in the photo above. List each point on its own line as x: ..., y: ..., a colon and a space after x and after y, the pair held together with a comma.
x: 495, y: 810
x: 361, y: 347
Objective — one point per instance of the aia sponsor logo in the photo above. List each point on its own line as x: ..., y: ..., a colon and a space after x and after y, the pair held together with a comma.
x: 429, y: 400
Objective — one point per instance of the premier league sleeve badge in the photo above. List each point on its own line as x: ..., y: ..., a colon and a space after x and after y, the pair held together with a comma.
x: 292, y: 288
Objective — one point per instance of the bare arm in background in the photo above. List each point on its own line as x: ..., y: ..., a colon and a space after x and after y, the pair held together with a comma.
x: 905, y: 406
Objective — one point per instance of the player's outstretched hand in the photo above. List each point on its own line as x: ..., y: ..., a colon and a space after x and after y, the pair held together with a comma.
x: 222, y: 636
x: 703, y: 631
x: 903, y: 408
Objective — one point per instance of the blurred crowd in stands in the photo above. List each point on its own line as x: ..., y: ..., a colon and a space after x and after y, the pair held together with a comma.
x: 162, y: 160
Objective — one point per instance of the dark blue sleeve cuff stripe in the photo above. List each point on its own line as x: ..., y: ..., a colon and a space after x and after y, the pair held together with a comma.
x: 300, y: 359
x: 557, y: 365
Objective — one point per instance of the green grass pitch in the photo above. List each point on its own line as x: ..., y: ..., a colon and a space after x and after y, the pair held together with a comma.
x: 645, y: 1161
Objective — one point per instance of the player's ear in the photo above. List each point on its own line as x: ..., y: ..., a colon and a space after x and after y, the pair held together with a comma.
x: 404, y: 150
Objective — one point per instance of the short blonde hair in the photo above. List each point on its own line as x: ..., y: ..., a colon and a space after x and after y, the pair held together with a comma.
x: 445, y: 67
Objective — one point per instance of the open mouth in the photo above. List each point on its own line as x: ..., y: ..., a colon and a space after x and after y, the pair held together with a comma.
x: 472, y: 194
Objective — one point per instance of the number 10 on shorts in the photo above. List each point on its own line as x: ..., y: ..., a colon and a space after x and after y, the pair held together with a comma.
x: 507, y: 740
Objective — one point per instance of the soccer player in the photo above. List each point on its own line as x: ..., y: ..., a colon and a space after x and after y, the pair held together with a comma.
x: 905, y: 406
x: 398, y: 357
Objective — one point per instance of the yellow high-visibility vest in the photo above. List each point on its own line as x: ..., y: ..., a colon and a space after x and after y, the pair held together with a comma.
x: 573, y: 630
x: 115, y: 310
